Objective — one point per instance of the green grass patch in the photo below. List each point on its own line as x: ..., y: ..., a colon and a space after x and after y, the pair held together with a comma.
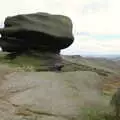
x: 24, y: 62
x: 97, y: 114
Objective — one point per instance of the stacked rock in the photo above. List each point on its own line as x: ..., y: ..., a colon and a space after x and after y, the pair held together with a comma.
x: 39, y: 32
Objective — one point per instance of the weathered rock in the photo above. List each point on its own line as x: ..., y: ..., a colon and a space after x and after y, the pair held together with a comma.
x: 39, y: 31
x: 48, y: 95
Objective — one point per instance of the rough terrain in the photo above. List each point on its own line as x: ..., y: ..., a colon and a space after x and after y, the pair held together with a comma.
x: 51, y: 95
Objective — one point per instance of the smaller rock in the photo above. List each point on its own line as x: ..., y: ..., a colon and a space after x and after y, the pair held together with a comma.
x: 58, y: 66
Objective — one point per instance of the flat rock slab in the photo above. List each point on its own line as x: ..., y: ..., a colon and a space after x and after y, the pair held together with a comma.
x: 48, y: 95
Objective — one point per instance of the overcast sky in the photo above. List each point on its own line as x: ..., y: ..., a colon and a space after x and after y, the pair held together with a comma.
x: 96, y: 22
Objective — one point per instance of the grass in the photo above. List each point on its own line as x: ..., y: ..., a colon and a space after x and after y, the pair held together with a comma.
x: 45, y: 62
x: 110, y: 87
x: 25, y: 63
x: 97, y: 114
x: 76, y: 66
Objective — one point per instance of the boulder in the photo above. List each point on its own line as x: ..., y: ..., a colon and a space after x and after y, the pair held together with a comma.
x: 38, y: 31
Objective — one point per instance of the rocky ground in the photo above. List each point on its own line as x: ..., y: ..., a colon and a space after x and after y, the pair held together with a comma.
x: 54, y: 95
x: 48, y: 95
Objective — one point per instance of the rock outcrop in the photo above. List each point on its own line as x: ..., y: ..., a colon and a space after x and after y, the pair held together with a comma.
x: 39, y: 32
x: 48, y: 95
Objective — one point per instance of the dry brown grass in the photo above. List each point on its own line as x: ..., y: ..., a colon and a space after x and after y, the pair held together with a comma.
x: 110, y: 85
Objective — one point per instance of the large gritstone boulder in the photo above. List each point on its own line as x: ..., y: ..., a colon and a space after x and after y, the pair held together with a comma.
x: 39, y: 31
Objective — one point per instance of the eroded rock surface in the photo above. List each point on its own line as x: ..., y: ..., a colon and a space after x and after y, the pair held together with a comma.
x: 47, y: 95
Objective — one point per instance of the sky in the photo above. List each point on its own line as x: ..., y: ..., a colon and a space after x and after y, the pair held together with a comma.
x: 96, y: 23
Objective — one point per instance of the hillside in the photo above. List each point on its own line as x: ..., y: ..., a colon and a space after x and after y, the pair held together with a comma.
x: 111, y: 68
x: 101, y: 63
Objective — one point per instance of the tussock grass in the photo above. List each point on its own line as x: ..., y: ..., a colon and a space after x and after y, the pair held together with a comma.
x: 97, y: 114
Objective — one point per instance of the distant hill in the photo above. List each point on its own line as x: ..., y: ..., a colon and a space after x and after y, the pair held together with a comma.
x: 109, y: 56
x: 106, y: 63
